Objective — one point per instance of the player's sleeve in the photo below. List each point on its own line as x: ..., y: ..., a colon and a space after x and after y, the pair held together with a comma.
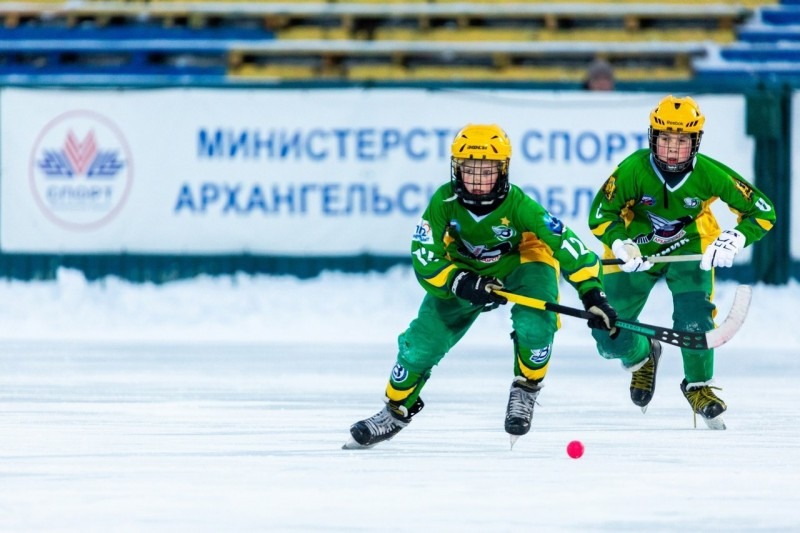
x: 580, y: 266
x: 608, y: 214
x: 432, y: 266
x: 754, y: 211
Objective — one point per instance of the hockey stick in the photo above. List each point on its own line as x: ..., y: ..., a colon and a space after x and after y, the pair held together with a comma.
x: 658, y: 259
x: 684, y: 339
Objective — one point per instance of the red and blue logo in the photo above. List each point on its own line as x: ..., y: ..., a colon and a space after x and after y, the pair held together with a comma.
x: 81, y: 170
x: 647, y: 200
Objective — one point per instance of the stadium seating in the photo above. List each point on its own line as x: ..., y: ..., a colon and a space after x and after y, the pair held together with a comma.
x: 767, y: 48
x: 353, y: 40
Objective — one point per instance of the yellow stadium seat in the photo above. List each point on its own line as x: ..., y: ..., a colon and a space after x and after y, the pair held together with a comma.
x: 312, y: 32
x: 620, y: 35
x: 281, y: 72
x: 377, y: 72
x: 455, y: 73
x: 455, y: 35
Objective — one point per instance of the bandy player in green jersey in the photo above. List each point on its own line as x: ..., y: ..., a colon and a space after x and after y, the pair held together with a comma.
x: 657, y: 202
x: 479, y: 233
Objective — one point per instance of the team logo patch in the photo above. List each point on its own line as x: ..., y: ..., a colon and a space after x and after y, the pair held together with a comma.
x: 744, y: 188
x: 81, y: 170
x: 483, y: 253
x: 691, y: 203
x: 610, y: 188
x: 422, y: 233
x: 647, y: 200
x: 540, y: 356
x: 664, y: 231
x: 504, y: 232
x: 763, y: 205
x: 555, y: 225
x: 399, y: 373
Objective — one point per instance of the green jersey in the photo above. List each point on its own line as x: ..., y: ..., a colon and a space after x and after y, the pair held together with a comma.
x: 449, y: 238
x: 637, y: 203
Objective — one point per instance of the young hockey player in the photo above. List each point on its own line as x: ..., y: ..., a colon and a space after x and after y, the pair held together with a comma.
x: 478, y: 234
x: 657, y: 202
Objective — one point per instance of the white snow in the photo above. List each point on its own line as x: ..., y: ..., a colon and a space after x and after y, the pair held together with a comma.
x: 220, y: 404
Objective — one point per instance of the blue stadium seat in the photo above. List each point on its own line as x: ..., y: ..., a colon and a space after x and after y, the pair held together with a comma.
x: 781, y: 15
x: 143, y: 32
x: 767, y: 48
x: 769, y: 35
x: 104, y: 57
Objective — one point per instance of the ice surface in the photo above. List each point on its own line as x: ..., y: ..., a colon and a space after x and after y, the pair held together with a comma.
x: 221, y: 405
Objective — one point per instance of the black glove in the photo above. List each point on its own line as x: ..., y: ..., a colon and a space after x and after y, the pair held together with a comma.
x: 478, y: 289
x: 595, y: 302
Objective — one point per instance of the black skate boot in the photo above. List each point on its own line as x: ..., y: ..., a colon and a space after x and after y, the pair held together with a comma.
x: 521, y: 401
x: 705, y: 403
x: 381, y: 426
x: 643, y: 380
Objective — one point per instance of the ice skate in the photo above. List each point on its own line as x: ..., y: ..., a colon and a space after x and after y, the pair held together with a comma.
x: 705, y: 403
x: 519, y: 412
x: 643, y: 380
x: 381, y: 426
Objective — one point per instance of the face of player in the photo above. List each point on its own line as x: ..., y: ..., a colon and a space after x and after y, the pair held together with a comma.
x: 479, y: 175
x: 673, y: 148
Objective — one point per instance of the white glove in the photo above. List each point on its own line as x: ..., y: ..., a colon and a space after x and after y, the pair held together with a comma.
x: 721, y: 252
x: 628, y: 251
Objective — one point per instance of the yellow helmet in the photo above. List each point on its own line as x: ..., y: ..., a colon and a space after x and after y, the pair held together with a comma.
x: 485, y: 142
x: 676, y: 115
x: 481, y: 141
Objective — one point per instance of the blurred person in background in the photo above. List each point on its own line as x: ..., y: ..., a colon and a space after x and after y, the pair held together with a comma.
x: 599, y: 76
x: 657, y: 202
x: 478, y: 234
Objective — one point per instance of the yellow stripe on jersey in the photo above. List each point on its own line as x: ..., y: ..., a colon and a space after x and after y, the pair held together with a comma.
x: 601, y: 229
x: 585, y: 273
x: 707, y: 226
x: 440, y: 279
x: 766, y: 225
x: 533, y: 250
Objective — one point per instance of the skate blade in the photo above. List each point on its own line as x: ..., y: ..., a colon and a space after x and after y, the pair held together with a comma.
x: 353, y: 445
x: 715, y: 423
x: 644, y: 409
x: 513, y: 439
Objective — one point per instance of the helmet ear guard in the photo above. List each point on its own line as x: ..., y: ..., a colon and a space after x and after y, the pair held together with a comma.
x: 482, y: 142
x: 676, y: 115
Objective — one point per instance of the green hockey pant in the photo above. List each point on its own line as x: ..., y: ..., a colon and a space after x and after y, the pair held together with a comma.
x: 442, y: 322
x: 693, y: 310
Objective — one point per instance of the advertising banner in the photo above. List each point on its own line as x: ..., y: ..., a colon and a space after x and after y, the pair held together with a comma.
x: 794, y: 231
x: 298, y: 172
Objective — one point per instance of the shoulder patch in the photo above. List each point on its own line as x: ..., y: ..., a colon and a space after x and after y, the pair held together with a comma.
x: 610, y: 188
x: 422, y: 233
x: 555, y: 225
x: 744, y: 188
